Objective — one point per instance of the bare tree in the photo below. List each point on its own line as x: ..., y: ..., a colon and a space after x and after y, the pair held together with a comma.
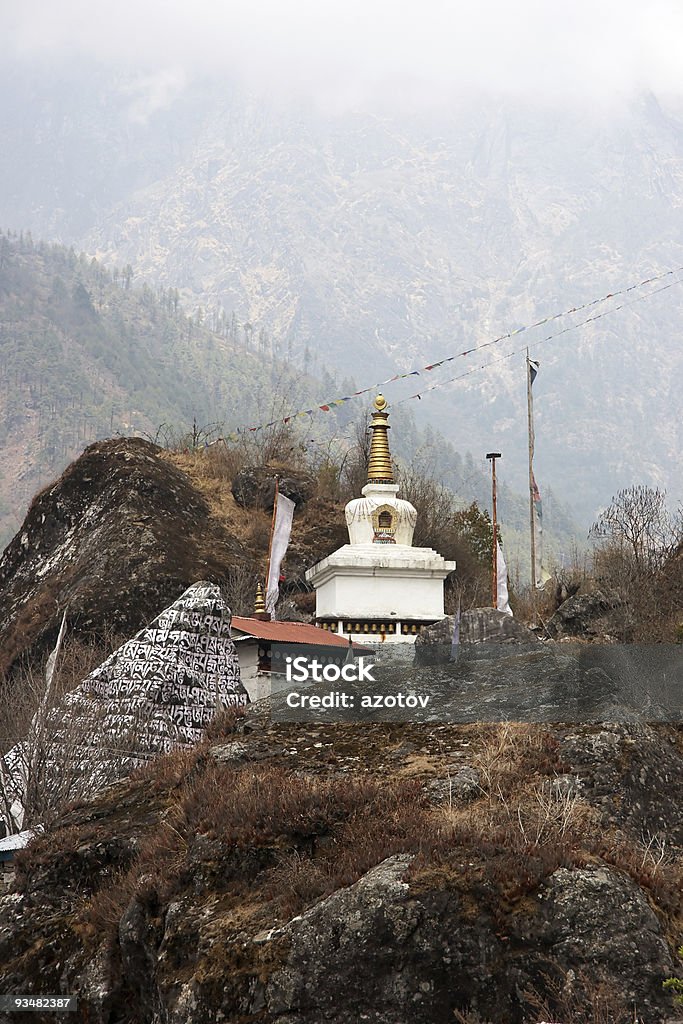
x: 638, y: 520
x: 239, y: 586
x: 637, y: 561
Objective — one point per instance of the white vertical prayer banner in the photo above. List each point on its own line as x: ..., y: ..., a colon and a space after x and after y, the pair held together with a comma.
x: 282, y: 528
x: 52, y: 660
x: 502, y: 600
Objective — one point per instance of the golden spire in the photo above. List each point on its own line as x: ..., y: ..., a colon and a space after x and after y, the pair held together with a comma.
x: 380, y: 470
x: 259, y: 603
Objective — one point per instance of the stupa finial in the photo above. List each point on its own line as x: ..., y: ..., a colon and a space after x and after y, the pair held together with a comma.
x: 259, y: 603
x: 380, y: 469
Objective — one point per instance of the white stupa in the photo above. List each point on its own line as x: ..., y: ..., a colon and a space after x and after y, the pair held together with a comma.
x: 378, y: 585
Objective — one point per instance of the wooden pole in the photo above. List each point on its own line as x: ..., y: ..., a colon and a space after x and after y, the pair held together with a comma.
x: 270, y: 542
x: 494, y: 587
x: 532, y: 523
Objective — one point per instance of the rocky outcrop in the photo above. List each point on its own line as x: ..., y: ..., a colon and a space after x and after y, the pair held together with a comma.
x: 254, y: 487
x: 585, y: 920
x: 631, y: 772
x: 500, y: 670
x: 162, y: 900
x: 578, y: 616
x: 400, y: 953
x: 477, y: 626
x: 120, y: 535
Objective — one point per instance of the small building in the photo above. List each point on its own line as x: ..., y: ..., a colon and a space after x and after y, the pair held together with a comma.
x: 255, y: 638
x: 8, y: 849
x: 378, y: 587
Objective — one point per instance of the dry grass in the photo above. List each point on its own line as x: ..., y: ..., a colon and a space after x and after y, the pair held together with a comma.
x: 165, y: 774
x: 261, y: 806
x: 662, y: 879
x: 509, y: 751
x: 577, y: 998
x: 224, y: 723
x: 570, y: 998
x: 292, y: 838
x: 161, y: 856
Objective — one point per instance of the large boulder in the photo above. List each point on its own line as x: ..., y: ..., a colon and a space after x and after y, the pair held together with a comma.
x: 477, y: 626
x: 578, y: 615
x: 384, y: 950
x: 121, y: 534
x: 254, y: 487
x: 598, y: 924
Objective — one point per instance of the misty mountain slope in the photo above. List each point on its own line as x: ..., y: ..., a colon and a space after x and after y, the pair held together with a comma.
x: 395, y: 248
x: 379, y: 244
x: 87, y: 355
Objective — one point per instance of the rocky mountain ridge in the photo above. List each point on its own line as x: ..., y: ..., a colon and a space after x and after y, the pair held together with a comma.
x: 390, y: 242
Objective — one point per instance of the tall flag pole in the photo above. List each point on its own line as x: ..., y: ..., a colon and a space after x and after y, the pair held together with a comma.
x: 531, y: 371
x: 270, y: 540
x: 539, y: 576
x: 494, y: 587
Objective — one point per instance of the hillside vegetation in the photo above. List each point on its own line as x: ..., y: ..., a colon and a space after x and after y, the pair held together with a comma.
x: 86, y: 355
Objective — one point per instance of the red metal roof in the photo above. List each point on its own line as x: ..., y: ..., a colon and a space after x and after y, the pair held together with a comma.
x: 291, y: 633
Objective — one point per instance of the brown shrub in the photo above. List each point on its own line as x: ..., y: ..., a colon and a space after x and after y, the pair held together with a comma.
x: 577, y: 998
x: 159, y: 860
x: 223, y: 461
x: 224, y: 723
x: 165, y: 773
x: 387, y: 820
x: 249, y: 806
x: 514, y: 750
x: 664, y: 881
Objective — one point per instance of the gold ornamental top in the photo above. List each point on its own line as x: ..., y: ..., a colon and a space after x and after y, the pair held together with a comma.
x: 380, y: 469
x: 259, y: 603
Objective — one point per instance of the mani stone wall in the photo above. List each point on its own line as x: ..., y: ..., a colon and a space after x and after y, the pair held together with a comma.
x: 159, y: 690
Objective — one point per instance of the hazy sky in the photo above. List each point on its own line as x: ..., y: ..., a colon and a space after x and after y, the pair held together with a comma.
x: 352, y: 53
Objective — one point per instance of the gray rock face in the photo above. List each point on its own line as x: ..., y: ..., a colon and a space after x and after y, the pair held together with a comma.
x: 399, y: 955
x: 503, y: 671
x: 578, y: 613
x: 374, y: 933
x: 254, y: 487
x: 120, y: 535
x: 634, y: 775
x: 598, y: 922
x: 477, y: 626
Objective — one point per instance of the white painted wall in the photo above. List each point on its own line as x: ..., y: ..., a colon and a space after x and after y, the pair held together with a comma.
x: 257, y: 684
x: 374, y: 581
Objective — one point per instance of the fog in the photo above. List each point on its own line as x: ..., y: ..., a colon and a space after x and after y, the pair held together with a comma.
x: 357, y: 54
